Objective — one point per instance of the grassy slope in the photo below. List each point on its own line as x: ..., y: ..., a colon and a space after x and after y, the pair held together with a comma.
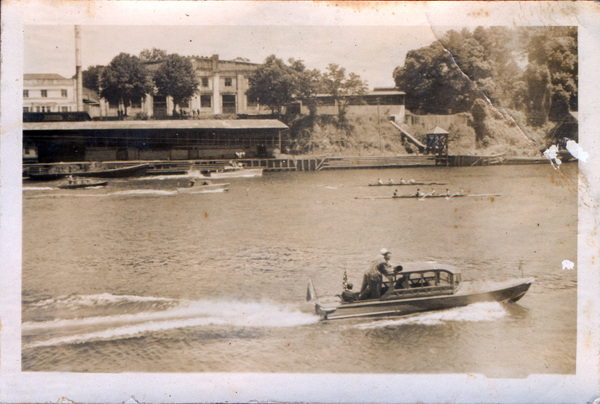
x: 366, y: 135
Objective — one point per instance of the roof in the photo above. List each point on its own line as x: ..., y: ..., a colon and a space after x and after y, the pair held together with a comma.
x: 159, y: 124
x: 43, y: 76
x: 385, y: 92
x: 367, y: 94
x: 90, y: 95
x: 438, y: 131
x: 428, y: 266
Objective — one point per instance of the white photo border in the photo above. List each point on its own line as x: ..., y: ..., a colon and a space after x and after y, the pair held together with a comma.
x: 17, y: 386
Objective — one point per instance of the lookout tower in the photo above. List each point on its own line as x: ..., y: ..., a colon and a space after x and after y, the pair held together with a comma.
x: 436, y: 141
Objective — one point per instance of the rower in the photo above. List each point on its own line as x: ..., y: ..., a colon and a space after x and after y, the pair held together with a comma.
x: 379, y: 181
x: 418, y: 194
x: 395, y: 193
x: 402, y: 181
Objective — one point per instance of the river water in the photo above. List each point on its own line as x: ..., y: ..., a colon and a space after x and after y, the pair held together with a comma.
x: 134, y: 277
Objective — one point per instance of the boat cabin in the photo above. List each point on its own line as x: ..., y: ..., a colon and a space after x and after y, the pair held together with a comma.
x: 424, y: 282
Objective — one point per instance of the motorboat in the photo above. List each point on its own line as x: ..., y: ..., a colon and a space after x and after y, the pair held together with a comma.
x: 417, y: 288
x: 236, y: 171
x: 75, y: 183
x: 203, y: 186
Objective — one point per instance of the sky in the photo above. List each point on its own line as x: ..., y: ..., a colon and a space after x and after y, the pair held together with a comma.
x: 373, y: 52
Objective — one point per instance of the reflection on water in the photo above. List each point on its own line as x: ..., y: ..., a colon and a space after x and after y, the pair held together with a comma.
x: 135, y: 277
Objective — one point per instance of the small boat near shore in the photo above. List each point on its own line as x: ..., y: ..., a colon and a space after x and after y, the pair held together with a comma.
x: 92, y: 170
x: 203, y: 186
x: 235, y: 172
x: 417, y: 288
x: 76, y: 183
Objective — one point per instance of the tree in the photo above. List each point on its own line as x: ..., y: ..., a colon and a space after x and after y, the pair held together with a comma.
x: 306, y: 84
x: 125, y: 79
x: 176, y: 78
x: 272, y: 84
x: 433, y: 82
x: 91, y: 77
x: 154, y: 55
x: 341, y: 88
x: 539, y: 93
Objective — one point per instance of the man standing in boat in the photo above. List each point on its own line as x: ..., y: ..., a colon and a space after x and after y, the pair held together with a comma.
x: 372, y: 279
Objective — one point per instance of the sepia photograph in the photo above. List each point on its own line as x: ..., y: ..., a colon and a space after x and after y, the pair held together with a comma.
x: 304, y: 202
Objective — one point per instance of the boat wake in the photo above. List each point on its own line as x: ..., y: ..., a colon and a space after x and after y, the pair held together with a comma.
x: 170, y: 314
x: 131, y: 192
x: 143, y: 192
x: 488, y: 311
x: 37, y: 188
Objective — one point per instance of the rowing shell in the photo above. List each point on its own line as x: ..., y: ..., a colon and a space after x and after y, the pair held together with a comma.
x: 425, y: 196
x: 393, y: 184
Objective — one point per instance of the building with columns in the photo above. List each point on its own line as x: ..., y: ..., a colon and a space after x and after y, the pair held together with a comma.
x: 222, y: 86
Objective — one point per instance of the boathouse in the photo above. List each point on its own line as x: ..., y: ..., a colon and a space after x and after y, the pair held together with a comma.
x: 155, y: 140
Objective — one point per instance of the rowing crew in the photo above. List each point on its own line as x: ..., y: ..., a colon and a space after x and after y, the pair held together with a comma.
x: 419, y: 194
x: 402, y: 182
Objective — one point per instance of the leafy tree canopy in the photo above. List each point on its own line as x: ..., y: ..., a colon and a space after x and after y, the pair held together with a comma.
x: 154, y: 55
x: 91, y: 77
x: 342, y: 87
x: 176, y: 78
x: 528, y: 68
x: 272, y: 84
x: 125, y: 79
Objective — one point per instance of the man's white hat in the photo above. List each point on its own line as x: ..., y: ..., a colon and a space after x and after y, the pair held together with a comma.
x: 384, y: 251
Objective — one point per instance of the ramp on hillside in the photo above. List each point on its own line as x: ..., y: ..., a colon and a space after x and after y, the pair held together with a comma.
x: 409, y: 137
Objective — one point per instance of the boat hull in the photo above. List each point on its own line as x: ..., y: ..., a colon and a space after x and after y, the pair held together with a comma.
x: 122, y: 172
x: 506, y: 292
x: 394, y: 184
x: 83, y: 185
x: 244, y: 173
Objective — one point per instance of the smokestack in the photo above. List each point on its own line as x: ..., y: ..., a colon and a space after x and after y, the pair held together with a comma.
x: 78, y: 73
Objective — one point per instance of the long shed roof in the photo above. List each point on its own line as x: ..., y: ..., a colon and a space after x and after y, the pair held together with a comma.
x: 234, y: 124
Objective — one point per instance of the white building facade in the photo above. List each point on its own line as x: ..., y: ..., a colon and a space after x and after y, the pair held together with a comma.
x: 48, y: 93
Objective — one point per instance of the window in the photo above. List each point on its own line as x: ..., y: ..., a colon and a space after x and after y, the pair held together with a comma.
x: 205, y: 101
x: 252, y: 102
x: 25, y: 109
x: 228, y: 104
x: 63, y: 93
x: 44, y: 93
x: 64, y: 109
x: 204, y: 81
x: 228, y: 81
x: 25, y: 93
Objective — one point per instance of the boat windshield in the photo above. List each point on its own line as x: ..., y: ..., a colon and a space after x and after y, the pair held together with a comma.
x: 428, y: 281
